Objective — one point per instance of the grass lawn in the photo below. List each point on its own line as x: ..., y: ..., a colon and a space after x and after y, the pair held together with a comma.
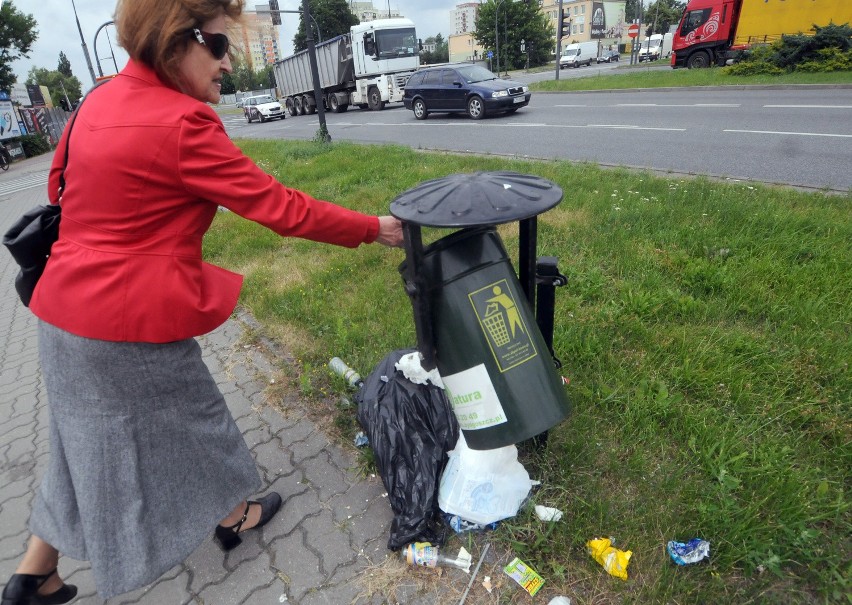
x: 641, y: 76
x: 706, y: 331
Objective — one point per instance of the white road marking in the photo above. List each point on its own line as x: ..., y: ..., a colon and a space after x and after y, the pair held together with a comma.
x: 810, y: 106
x: 37, y: 179
x: 798, y: 134
x: 677, y: 105
x: 632, y: 127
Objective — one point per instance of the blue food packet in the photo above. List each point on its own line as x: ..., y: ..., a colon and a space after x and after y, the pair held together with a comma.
x: 686, y: 553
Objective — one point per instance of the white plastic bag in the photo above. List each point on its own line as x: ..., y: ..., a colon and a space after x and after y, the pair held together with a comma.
x: 483, y: 486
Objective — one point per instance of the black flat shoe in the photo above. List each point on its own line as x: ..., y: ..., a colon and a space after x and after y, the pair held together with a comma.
x: 22, y: 589
x: 228, y: 535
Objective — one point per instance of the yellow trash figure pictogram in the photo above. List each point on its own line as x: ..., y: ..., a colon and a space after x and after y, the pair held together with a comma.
x: 502, y: 324
x: 503, y: 304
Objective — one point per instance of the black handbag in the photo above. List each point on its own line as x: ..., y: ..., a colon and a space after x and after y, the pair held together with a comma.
x: 30, y: 239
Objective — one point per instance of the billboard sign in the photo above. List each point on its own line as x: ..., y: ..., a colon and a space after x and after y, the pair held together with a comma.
x: 8, y: 121
x: 598, y: 21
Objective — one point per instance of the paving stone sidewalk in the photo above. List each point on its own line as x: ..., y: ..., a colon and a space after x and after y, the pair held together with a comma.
x: 333, y: 525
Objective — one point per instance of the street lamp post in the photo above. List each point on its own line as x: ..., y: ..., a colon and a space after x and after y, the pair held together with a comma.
x: 97, y: 56
x: 319, y: 33
x: 505, y: 44
x: 85, y: 49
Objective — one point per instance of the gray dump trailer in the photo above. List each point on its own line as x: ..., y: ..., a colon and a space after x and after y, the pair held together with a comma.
x: 367, y: 67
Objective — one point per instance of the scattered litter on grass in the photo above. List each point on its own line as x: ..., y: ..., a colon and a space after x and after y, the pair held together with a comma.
x: 411, y: 428
x: 412, y: 369
x: 559, y: 601
x: 483, y: 486
x: 524, y: 575
x: 545, y: 513
x: 361, y: 439
x: 486, y: 584
x: 614, y: 561
x: 475, y: 571
x: 686, y: 553
x: 339, y: 367
x: 425, y: 554
x: 460, y: 526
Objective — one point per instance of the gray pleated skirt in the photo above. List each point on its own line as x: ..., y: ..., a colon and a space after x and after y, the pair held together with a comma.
x: 145, y: 457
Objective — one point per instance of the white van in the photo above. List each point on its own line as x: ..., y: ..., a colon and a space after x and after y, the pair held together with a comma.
x: 658, y: 46
x: 577, y: 54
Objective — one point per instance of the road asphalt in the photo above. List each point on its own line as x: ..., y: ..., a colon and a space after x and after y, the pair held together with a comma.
x: 332, y: 529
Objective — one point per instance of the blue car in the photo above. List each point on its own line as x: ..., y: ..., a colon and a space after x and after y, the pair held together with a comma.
x: 470, y: 89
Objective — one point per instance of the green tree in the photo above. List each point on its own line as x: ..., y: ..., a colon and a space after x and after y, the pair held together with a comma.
x: 64, y: 66
x: 442, y: 49
x: 441, y: 54
x: 228, y: 86
x: 662, y: 14
x: 243, y: 79
x: 265, y: 77
x: 57, y: 83
x: 17, y: 34
x: 516, y: 21
x: 333, y: 18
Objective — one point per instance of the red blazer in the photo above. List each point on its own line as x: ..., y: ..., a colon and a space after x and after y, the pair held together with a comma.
x: 148, y: 168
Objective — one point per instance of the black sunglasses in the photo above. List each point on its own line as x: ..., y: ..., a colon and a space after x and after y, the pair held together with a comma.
x: 217, y: 44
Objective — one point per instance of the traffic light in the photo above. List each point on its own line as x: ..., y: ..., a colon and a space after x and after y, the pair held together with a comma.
x: 276, y: 14
x: 564, y: 23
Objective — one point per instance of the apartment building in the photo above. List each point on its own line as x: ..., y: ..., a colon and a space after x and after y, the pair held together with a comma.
x: 256, y: 37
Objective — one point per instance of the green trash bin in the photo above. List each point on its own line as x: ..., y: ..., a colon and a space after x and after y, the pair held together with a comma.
x: 495, y: 364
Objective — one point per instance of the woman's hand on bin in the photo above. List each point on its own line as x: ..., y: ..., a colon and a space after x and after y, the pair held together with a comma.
x: 390, y: 231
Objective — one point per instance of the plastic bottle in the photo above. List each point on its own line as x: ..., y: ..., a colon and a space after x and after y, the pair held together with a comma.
x: 344, y: 371
x: 426, y: 555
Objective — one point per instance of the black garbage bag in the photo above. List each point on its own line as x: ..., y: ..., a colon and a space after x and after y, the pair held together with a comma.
x: 411, y: 428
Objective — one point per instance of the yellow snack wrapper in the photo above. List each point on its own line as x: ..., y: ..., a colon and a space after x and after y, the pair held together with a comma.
x: 524, y: 575
x: 614, y: 561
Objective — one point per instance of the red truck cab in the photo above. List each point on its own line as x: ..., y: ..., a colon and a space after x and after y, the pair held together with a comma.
x: 705, y: 33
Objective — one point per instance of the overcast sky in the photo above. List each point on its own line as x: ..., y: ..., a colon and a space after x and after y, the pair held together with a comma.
x: 58, y: 30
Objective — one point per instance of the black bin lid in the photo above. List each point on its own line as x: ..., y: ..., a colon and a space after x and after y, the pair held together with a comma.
x: 481, y: 198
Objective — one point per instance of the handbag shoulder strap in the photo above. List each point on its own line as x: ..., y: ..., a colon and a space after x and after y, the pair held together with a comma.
x: 68, y: 137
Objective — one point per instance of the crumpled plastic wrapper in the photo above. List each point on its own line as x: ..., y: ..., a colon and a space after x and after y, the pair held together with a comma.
x: 687, y: 553
x: 614, y: 561
x: 545, y: 513
x: 412, y: 369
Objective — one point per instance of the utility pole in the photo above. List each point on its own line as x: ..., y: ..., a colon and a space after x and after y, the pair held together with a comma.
x: 312, y: 55
x: 558, y: 38
x: 497, y: 34
x: 85, y: 49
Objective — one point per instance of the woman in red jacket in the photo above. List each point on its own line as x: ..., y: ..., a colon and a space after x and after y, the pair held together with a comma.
x: 145, y: 457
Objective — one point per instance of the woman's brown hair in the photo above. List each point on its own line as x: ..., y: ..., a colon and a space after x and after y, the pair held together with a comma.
x: 156, y: 32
